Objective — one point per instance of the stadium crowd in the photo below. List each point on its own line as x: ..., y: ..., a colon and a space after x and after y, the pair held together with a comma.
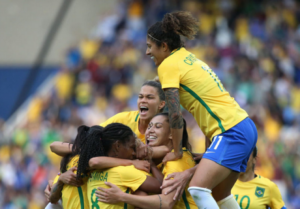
x: 252, y: 46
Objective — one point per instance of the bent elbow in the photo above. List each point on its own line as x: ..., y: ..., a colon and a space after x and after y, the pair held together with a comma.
x: 92, y: 163
x: 52, y: 146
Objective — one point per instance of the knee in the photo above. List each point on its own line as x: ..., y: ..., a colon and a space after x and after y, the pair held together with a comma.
x: 197, y: 183
x: 192, y: 184
x: 198, y: 190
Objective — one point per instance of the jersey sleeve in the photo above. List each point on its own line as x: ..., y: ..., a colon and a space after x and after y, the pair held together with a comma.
x: 114, y: 119
x: 172, y: 167
x: 186, y: 162
x: 132, y: 177
x: 168, y: 74
x: 276, y: 201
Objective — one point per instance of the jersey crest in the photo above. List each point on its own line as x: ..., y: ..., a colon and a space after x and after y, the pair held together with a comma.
x: 259, y: 192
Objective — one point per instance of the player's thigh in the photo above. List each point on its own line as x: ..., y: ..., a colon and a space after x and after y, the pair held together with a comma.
x: 228, y: 152
x: 209, y: 174
x: 223, y: 189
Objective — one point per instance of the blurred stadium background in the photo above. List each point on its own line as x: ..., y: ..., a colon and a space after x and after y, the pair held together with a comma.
x: 67, y: 63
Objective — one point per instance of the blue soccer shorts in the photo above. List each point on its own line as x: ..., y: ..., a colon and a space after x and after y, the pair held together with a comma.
x: 232, y: 148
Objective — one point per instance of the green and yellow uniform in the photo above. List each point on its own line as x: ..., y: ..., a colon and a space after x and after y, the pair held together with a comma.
x: 259, y: 193
x: 130, y: 119
x: 74, y: 197
x: 201, y: 92
x: 186, y: 162
x: 55, y: 179
x: 127, y: 178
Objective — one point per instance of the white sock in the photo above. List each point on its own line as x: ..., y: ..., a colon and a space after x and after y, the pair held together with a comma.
x: 228, y: 203
x: 202, y: 197
x: 54, y: 206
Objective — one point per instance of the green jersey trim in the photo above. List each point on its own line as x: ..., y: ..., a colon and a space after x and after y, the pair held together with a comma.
x: 137, y: 117
x: 81, y: 197
x: 125, y: 204
x: 204, y: 105
x: 175, y: 51
x: 187, y: 206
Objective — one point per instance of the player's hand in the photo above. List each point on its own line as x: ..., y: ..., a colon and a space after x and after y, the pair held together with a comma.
x: 172, y: 156
x: 141, y: 165
x: 47, y: 191
x: 69, y: 178
x: 197, y: 156
x: 176, y: 181
x: 111, y: 195
x: 144, y: 152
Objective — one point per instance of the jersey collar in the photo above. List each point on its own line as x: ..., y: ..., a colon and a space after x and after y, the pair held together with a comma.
x: 175, y: 50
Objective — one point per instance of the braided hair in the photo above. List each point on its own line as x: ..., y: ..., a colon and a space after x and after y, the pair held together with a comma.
x: 99, y: 142
x: 173, y: 26
x: 185, y: 136
x: 79, y: 141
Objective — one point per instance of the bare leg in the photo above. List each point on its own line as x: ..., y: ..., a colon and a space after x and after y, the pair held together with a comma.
x: 209, y: 174
x: 223, y: 189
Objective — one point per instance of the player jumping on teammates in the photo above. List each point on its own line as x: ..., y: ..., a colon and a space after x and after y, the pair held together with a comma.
x: 190, y: 82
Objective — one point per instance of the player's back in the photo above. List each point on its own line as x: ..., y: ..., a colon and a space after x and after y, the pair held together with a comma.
x: 259, y: 193
x: 127, y: 178
x: 201, y: 92
x: 74, y: 197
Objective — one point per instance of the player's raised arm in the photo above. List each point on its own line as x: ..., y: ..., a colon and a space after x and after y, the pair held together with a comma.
x: 176, y: 122
x: 110, y: 162
x: 61, y: 148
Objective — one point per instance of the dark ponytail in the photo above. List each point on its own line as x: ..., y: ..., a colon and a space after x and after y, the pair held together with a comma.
x: 99, y: 141
x: 173, y: 26
x: 185, y: 137
x: 181, y: 23
x: 254, y: 155
x: 78, y: 142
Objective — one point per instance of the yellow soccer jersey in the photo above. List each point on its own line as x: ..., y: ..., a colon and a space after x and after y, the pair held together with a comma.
x: 259, y: 193
x: 75, y: 197
x: 201, y: 92
x: 130, y: 119
x: 55, y: 179
x: 186, y: 162
x: 127, y: 178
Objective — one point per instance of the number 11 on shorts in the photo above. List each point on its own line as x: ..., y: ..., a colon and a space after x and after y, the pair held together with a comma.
x: 215, y: 139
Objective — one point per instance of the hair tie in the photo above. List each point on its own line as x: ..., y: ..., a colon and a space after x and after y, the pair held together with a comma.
x: 154, y: 38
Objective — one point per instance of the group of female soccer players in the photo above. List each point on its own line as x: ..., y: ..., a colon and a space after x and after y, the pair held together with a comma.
x: 104, y: 157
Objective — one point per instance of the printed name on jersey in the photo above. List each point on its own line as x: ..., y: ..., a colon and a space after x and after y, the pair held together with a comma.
x: 99, y: 176
x: 259, y: 192
x: 190, y: 59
